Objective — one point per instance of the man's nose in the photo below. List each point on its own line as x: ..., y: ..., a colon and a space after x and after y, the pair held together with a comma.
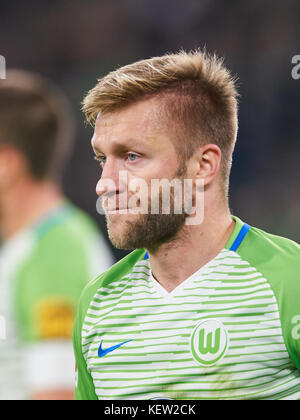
x: 108, y: 183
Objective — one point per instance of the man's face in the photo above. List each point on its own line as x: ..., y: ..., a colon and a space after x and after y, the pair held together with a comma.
x: 132, y: 145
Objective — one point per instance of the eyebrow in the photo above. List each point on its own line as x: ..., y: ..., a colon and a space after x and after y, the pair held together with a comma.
x: 118, y: 145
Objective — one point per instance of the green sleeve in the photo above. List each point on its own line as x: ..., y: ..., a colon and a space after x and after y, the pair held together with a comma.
x: 278, y: 259
x: 84, y: 386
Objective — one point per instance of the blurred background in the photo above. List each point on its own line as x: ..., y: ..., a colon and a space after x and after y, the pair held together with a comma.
x: 74, y: 42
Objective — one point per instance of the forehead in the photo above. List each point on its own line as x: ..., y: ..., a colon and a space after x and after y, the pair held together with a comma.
x: 141, y: 120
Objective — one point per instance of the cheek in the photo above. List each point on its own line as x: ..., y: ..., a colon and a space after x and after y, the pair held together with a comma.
x: 162, y: 168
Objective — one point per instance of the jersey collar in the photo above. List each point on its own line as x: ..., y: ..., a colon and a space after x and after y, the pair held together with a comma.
x: 238, y: 235
x: 236, y: 238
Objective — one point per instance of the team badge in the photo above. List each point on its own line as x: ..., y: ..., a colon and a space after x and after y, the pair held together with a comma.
x: 209, y: 342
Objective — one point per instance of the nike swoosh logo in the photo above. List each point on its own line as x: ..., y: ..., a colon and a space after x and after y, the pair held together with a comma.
x: 102, y: 352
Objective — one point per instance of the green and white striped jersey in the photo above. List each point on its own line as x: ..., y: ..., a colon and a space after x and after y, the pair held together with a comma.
x: 229, y: 331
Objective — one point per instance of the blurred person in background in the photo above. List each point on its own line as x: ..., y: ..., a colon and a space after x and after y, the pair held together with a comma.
x: 49, y: 249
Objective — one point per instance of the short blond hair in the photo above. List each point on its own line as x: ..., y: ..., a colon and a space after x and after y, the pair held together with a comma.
x: 196, y: 92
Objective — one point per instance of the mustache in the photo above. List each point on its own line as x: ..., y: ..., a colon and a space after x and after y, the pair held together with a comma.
x: 114, y: 201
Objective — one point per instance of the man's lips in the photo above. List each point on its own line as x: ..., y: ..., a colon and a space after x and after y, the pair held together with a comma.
x: 117, y: 205
x: 115, y: 209
x: 114, y: 204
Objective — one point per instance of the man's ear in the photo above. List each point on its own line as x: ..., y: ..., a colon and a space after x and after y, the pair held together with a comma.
x: 4, y: 166
x: 208, y: 158
x: 12, y: 165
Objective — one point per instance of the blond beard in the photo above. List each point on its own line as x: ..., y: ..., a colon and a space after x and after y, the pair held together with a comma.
x: 147, y: 230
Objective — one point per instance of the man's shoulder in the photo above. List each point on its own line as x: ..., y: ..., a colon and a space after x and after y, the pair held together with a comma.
x: 69, y: 221
x: 278, y: 260
x: 265, y: 245
x: 273, y: 255
x: 114, y: 274
x: 68, y: 230
x: 60, y: 245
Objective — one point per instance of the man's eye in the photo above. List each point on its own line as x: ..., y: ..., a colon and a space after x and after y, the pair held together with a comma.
x: 100, y: 159
x: 132, y: 157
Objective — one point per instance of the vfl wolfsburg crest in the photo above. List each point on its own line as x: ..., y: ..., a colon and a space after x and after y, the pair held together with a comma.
x: 209, y: 342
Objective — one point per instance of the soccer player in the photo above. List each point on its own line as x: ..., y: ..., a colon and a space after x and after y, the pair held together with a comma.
x: 206, y: 310
x: 50, y: 249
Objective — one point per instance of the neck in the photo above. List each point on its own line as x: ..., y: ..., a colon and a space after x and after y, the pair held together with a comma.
x: 26, y: 202
x: 195, y: 246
